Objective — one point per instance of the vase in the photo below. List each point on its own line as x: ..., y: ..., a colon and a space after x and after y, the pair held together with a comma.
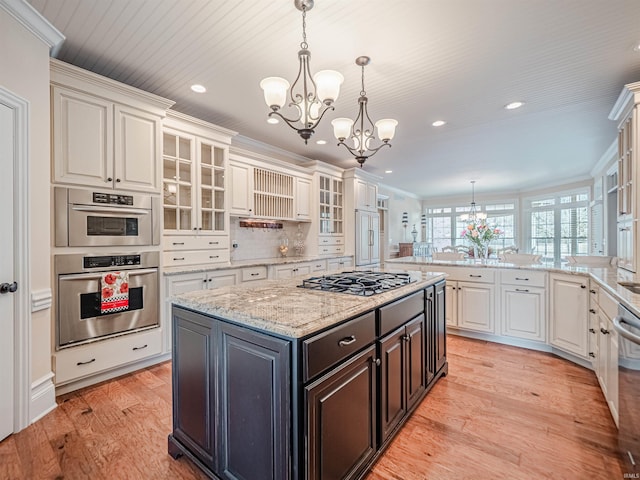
x: 481, y: 251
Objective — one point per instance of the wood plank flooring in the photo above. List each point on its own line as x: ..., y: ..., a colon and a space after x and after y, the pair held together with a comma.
x: 501, y: 413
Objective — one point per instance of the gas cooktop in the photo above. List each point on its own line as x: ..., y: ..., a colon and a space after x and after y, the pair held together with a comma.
x: 363, y: 283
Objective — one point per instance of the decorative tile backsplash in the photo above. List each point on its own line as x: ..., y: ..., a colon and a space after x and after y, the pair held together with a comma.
x: 259, y: 243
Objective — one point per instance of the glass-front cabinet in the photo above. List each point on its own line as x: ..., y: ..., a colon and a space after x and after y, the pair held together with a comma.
x: 331, y: 205
x: 193, y: 184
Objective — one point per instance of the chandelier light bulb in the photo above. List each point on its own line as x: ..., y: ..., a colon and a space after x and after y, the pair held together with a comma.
x: 275, y: 91
x: 328, y: 84
x: 386, y: 128
x: 341, y: 127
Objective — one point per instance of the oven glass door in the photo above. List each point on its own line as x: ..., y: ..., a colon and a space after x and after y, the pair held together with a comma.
x: 94, y: 225
x: 79, y: 300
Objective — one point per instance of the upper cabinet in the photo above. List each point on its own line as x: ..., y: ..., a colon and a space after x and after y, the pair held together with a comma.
x: 331, y: 205
x: 105, y: 134
x: 366, y: 195
x: 625, y: 113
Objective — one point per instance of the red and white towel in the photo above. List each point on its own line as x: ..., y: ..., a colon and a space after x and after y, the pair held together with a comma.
x: 114, y: 292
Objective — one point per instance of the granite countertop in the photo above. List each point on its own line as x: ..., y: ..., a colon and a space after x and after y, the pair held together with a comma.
x: 607, y: 277
x: 168, y: 271
x: 280, y: 307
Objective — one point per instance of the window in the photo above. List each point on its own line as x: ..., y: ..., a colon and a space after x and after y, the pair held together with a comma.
x: 558, y: 225
x: 445, y: 224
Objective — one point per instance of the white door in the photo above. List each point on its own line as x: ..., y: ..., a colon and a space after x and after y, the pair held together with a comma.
x: 6, y: 271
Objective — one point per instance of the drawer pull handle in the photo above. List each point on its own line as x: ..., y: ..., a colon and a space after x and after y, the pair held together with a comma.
x: 592, y: 330
x: 522, y: 290
x: 178, y: 258
x: 214, y: 243
x: 214, y: 256
x: 592, y: 310
x: 475, y: 276
x: 347, y: 341
x: 592, y: 355
x: 86, y: 363
x: 583, y: 286
x: 592, y: 291
x: 255, y: 274
x: 522, y: 279
x: 140, y: 348
x: 178, y: 243
x: 606, y: 332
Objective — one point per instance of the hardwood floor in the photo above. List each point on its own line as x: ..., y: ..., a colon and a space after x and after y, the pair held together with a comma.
x: 502, y: 412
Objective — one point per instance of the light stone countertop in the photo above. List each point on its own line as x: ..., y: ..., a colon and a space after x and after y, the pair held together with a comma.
x: 606, y: 277
x: 169, y: 271
x: 280, y: 307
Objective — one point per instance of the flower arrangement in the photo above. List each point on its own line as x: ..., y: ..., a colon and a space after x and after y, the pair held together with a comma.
x: 480, y: 235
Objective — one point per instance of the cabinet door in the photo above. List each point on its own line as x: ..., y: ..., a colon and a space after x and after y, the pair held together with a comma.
x: 440, y: 325
x: 241, y: 187
x: 366, y: 196
x: 392, y: 381
x: 415, y: 360
x: 222, y: 278
x: 303, y: 199
x: 372, y: 196
x: 430, y: 333
x: 340, y: 419
x: 363, y: 249
x: 194, y: 374
x: 451, y: 304
x: 374, y: 224
x: 254, y: 410
x: 612, y: 370
x: 137, y: 147
x: 179, y: 182
x: 82, y: 139
x: 476, y: 306
x: 626, y: 257
x: 523, y: 313
x: 569, y: 317
x: 211, y: 186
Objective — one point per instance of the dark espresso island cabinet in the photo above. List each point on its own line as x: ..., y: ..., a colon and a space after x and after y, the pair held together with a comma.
x: 317, y: 398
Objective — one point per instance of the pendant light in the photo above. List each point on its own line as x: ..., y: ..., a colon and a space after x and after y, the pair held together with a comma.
x: 473, y: 215
x: 311, y: 96
x: 360, y: 130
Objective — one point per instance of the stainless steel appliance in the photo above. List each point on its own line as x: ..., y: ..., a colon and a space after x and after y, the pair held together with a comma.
x: 79, y: 295
x: 85, y: 218
x: 363, y: 283
x: 628, y: 327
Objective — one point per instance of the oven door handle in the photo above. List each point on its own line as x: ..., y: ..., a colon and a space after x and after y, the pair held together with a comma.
x: 112, y: 210
x: 617, y: 325
x: 98, y: 276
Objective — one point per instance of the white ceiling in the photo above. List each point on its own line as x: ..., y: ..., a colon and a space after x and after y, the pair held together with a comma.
x: 456, y: 60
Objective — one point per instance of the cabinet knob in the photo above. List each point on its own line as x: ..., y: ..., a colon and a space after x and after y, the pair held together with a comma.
x: 377, y: 362
x: 605, y: 332
x: 583, y: 286
x: 117, y: 180
x: 592, y: 291
x: 592, y: 330
x: 592, y: 355
x: 109, y: 179
x: 592, y: 310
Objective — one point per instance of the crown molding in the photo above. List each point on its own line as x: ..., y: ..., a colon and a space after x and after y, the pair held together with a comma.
x: 246, y: 143
x: 177, y: 120
x: 629, y: 96
x: 39, y: 26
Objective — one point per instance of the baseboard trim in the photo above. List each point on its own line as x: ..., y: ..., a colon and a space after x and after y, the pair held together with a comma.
x: 43, y: 397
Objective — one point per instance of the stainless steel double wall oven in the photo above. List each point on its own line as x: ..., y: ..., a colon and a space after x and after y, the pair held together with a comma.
x: 115, y: 228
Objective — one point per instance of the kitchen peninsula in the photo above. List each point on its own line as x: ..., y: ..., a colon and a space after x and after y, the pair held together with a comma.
x: 280, y: 382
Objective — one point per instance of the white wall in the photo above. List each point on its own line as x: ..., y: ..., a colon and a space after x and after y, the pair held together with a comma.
x: 24, y: 70
x: 399, y: 202
x: 263, y: 243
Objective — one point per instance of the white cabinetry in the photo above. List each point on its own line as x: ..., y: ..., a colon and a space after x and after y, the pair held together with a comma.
x: 336, y: 264
x: 366, y: 195
x: 241, y: 186
x: 303, y: 199
x: 196, y: 229
x: 290, y: 270
x: 568, y: 310
x: 367, y: 238
x: 105, y: 134
x: 470, y: 299
x: 524, y: 306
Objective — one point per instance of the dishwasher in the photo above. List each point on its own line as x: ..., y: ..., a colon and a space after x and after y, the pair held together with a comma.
x: 628, y: 327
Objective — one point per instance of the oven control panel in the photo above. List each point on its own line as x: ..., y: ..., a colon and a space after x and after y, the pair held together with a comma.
x: 112, y: 198
x: 111, y: 261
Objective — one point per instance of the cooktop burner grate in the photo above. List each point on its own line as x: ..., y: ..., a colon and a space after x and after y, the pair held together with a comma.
x: 363, y: 283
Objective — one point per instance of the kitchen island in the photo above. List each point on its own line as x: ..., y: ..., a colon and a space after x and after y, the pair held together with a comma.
x: 277, y: 382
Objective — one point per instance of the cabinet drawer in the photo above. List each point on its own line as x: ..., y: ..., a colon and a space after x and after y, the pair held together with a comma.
x: 325, y: 350
x: 523, y: 277
x: 78, y: 362
x: 254, y: 273
x: 608, y: 305
x: 192, y: 242
x: 397, y: 313
x: 194, y: 257
x: 331, y: 249
x: 319, y: 266
x: 469, y: 274
x: 324, y: 241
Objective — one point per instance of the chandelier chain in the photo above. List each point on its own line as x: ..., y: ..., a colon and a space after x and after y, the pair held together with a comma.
x: 304, y: 45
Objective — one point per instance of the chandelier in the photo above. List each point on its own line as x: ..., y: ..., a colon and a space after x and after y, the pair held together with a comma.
x: 360, y: 130
x: 311, y: 96
x: 473, y: 215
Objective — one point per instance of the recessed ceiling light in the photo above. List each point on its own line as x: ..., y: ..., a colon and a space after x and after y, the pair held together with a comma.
x: 439, y: 123
x: 273, y: 120
x: 198, y: 88
x: 636, y: 47
x: 513, y: 105
x: 388, y: 171
x: 321, y: 142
